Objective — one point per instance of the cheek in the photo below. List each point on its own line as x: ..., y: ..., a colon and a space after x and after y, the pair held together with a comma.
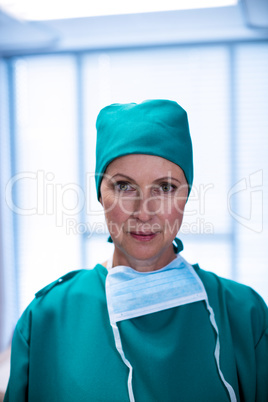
x: 123, y: 207
x: 114, y: 210
x: 174, y: 207
x: 179, y: 206
x: 173, y: 217
x: 180, y: 200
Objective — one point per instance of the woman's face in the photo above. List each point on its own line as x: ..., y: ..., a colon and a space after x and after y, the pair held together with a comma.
x: 143, y: 197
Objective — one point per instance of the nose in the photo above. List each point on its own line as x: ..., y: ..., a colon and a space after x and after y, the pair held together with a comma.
x: 144, y: 208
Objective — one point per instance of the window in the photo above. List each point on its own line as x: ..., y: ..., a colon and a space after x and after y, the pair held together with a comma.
x: 59, y: 224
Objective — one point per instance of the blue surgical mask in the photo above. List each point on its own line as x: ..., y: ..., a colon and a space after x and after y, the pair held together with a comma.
x: 133, y: 294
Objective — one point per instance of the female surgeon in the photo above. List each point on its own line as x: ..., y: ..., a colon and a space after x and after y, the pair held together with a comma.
x: 145, y: 326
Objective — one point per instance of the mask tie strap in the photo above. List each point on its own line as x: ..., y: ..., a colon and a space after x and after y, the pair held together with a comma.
x: 217, y: 352
x: 118, y: 344
x: 119, y: 347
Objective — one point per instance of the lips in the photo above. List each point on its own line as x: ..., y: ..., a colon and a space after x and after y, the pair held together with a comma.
x: 143, y: 236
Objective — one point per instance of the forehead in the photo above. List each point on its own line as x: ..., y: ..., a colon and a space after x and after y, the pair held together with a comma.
x: 145, y: 166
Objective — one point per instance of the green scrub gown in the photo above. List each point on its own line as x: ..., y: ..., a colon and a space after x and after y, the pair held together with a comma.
x: 63, y: 347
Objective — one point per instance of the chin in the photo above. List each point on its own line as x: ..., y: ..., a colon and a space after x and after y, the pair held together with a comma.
x: 146, y: 252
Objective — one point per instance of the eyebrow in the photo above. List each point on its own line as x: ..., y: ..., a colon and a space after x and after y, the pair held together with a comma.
x: 122, y: 175
x: 157, y: 180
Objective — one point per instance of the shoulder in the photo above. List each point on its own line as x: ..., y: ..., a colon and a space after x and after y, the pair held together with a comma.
x: 63, y: 279
x: 69, y: 292
x: 75, y: 280
x: 227, y: 288
x: 238, y: 303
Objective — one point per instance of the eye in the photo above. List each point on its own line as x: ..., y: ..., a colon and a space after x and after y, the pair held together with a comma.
x: 167, y: 187
x: 123, y: 186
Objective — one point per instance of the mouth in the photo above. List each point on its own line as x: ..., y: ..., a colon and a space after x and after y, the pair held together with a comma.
x: 142, y: 236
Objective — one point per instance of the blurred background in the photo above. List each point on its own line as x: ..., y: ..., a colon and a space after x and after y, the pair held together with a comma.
x: 60, y: 63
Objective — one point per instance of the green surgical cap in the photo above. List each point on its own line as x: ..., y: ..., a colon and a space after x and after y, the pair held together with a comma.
x: 153, y: 127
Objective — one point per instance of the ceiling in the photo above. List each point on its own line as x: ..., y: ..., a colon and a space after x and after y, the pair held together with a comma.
x: 247, y: 20
x: 61, y: 9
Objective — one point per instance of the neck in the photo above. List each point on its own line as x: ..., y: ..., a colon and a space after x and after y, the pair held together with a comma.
x: 151, y: 264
